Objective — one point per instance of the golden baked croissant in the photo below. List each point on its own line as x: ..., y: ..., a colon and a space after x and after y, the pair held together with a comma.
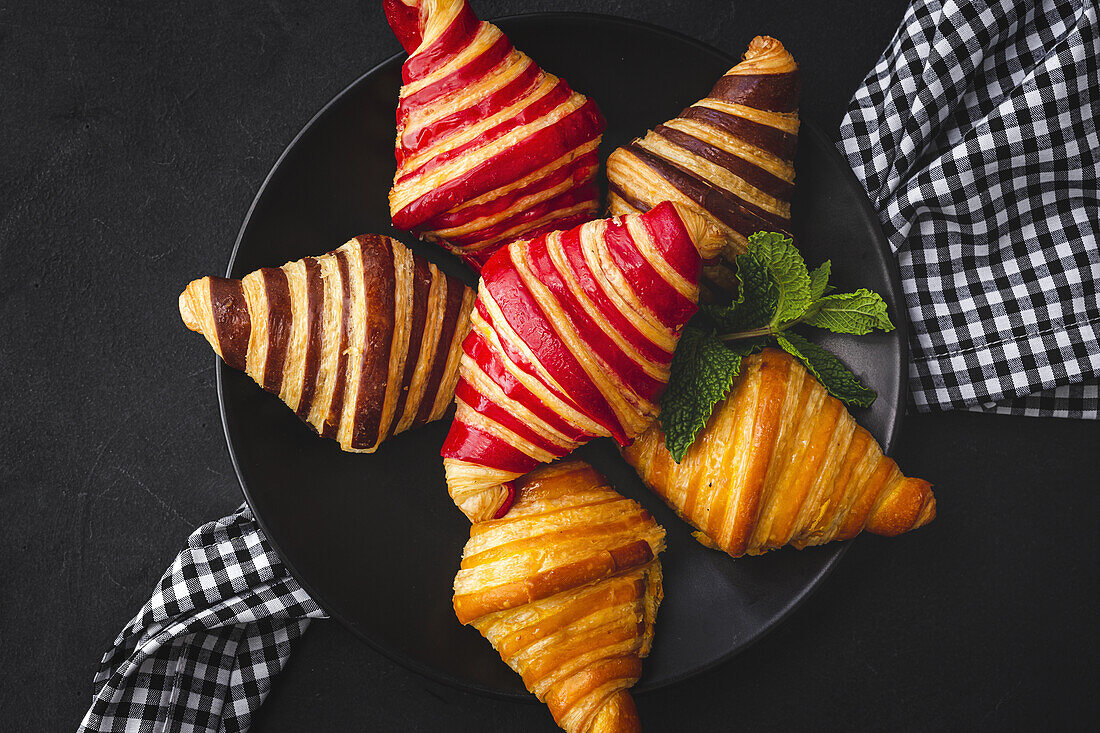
x: 781, y: 462
x: 362, y: 343
x: 730, y: 155
x: 566, y: 589
x: 489, y: 146
x: 571, y: 339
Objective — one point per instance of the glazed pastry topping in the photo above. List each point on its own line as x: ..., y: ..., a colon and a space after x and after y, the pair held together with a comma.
x: 571, y: 338
x: 781, y: 462
x: 362, y: 343
x: 489, y: 146
x: 566, y: 588
x: 730, y: 155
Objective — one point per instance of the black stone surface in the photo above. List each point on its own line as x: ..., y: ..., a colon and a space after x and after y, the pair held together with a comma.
x: 133, y: 137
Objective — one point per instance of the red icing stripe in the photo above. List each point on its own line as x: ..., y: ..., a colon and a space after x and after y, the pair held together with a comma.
x: 512, y: 164
x: 534, y: 110
x: 667, y: 230
x: 449, y: 44
x: 485, y: 406
x: 660, y: 298
x: 526, y: 317
x: 460, y: 78
x: 571, y: 246
x: 594, y: 335
x: 580, y: 170
x: 467, y: 443
x: 489, y: 361
x: 506, y: 96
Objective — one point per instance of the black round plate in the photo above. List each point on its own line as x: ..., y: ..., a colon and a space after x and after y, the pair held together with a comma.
x: 375, y: 538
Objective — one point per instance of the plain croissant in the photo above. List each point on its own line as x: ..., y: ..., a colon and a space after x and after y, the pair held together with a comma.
x: 782, y: 462
x: 730, y: 156
x: 566, y: 589
x: 489, y: 146
x: 362, y: 343
x: 571, y: 338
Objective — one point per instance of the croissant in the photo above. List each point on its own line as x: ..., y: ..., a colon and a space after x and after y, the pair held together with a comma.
x: 566, y: 589
x: 571, y: 338
x: 781, y: 462
x: 489, y: 146
x: 730, y: 156
x: 362, y: 343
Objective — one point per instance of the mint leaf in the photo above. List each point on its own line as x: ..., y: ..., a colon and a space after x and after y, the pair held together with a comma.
x: 833, y: 375
x: 859, y: 313
x: 756, y: 299
x: 819, y: 279
x: 702, y: 372
x: 784, y: 263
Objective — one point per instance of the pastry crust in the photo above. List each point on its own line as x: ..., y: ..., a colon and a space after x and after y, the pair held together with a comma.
x: 781, y: 462
x: 489, y: 146
x: 362, y: 343
x: 571, y: 339
x: 729, y: 156
x: 566, y: 588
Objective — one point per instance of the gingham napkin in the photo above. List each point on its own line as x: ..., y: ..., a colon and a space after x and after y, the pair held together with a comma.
x: 199, y: 657
x: 976, y: 139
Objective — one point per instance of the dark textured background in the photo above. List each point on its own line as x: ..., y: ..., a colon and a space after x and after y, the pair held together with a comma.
x: 133, y: 137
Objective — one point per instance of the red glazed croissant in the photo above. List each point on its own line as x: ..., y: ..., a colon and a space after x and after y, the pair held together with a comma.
x: 566, y: 589
x: 362, y: 343
x: 571, y: 338
x: 489, y: 146
x: 781, y: 462
x: 729, y: 156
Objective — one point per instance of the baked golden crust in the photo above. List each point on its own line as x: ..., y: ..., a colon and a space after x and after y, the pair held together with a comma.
x: 566, y: 588
x: 782, y: 462
x: 729, y: 156
x: 362, y: 343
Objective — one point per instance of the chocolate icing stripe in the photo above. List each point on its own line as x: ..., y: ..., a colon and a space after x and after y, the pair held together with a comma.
x: 315, y: 323
x: 455, y: 292
x: 751, y: 173
x: 781, y: 144
x: 336, y: 406
x: 279, y: 319
x: 379, y: 292
x: 612, y: 188
x: 720, y: 203
x: 421, y: 285
x: 232, y: 324
x: 768, y: 92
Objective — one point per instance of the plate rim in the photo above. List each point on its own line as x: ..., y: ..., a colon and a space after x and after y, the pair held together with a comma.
x: 901, y: 323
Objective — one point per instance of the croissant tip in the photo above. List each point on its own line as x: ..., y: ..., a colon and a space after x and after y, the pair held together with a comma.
x: 187, y: 313
x: 618, y: 714
x: 766, y: 55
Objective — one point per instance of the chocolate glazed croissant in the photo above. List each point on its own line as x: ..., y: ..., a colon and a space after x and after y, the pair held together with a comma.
x: 362, y: 343
x: 571, y: 338
x: 782, y: 462
x: 489, y: 146
x: 730, y: 156
x: 566, y: 589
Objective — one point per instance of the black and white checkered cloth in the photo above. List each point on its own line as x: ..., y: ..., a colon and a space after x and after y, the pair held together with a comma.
x: 976, y: 139
x: 200, y: 655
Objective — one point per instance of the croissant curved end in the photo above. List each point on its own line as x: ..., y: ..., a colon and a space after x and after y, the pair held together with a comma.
x: 187, y: 311
x: 482, y: 504
x: 910, y: 505
x: 707, y: 237
x: 617, y: 715
x: 765, y: 55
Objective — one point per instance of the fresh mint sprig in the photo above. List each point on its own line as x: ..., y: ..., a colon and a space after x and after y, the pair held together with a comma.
x: 775, y: 292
